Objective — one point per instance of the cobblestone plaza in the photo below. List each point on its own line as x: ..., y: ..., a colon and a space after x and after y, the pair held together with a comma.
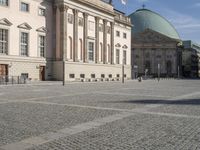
x: 151, y: 115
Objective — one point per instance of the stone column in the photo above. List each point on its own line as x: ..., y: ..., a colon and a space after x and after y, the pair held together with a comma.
x: 75, y: 42
x: 97, y: 39
x: 63, y: 35
x: 112, y: 43
x: 104, y: 40
x: 85, y: 36
x: 63, y: 30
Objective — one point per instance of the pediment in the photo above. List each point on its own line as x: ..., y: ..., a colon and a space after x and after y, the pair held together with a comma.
x: 151, y: 36
x: 125, y: 46
x: 117, y: 45
x: 25, y: 26
x: 42, y: 29
x: 5, y: 21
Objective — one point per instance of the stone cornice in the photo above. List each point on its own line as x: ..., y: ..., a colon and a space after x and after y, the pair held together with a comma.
x: 98, y: 5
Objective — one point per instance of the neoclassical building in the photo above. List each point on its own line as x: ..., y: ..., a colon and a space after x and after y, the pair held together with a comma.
x: 80, y: 39
x: 155, y: 46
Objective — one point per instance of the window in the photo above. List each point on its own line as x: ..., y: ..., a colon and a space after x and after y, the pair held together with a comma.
x: 42, y: 45
x: 3, y: 41
x: 108, y: 29
x: 124, y: 35
x: 124, y: 57
x: 80, y: 21
x: 91, y: 26
x: 92, y: 75
x: 70, y: 18
x: 102, y: 75
x: 41, y: 11
x: 91, y: 51
x: 117, y: 56
x: 4, y: 2
x: 71, y: 75
x: 117, y: 33
x: 100, y: 27
x: 24, y: 44
x: 118, y: 75
x: 24, y: 75
x: 82, y: 75
x: 110, y: 75
x: 24, y: 7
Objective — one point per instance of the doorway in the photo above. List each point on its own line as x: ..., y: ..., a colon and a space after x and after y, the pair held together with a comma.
x: 3, y: 70
x: 42, y: 73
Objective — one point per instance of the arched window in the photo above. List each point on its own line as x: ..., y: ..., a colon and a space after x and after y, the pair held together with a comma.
x: 81, y: 49
x: 70, y: 47
x: 101, y: 52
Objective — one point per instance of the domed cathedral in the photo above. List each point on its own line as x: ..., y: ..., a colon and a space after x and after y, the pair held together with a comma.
x: 155, y: 45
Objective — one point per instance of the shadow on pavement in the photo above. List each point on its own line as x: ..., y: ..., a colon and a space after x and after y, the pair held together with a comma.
x: 169, y: 102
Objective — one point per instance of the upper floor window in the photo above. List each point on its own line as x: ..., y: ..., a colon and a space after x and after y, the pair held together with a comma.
x: 4, y: 2
x: 24, y: 7
x: 124, y: 35
x: 117, y: 56
x: 124, y: 57
x: 42, y: 45
x: 117, y: 33
x: 80, y: 21
x: 108, y: 29
x: 24, y: 44
x: 3, y: 41
x: 100, y: 27
x: 41, y: 11
x: 91, y: 51
x: 91, y: 26
x: 70, y: 18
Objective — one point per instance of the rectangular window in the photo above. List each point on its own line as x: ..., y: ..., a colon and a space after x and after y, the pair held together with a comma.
x: 124, y: 35
x: 70, y: 18
x: 24, y: 7
x: 4, y: 2
x: 24, y: 44
x: 91, y: 51
x: 117, y: 33
x: 41, y: 12
x: 124, y: 57
x: 3, y: 41
x: 42, y: 45
x: 117, y: 56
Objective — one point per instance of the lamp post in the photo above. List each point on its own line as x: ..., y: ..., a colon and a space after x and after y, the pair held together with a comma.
x: 158, y: 72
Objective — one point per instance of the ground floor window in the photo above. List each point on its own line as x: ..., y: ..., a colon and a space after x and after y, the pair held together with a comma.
x: 42, y: 45
x: 124, y: 57
x: 117, y: 56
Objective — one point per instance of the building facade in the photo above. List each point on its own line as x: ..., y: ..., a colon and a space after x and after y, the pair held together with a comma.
x: 87, y: 39
x: 191, y: 59
x: 24, y: 40
x: 155, y: 46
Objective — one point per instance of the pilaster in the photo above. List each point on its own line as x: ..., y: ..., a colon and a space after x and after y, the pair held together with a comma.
x: 104, y: 41
x: 97, y: 40
x: 85, y: 37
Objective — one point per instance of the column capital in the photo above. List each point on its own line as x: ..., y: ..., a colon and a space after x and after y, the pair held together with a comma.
x: 85, y: 14
x: 97, y: 18
x: 63, y: 8
x: 75, y: 11
x: 105, y: 20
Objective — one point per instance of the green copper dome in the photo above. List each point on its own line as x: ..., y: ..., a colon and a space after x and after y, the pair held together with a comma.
x: 146, y: 19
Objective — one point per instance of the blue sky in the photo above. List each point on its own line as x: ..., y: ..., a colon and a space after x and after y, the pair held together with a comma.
x: 183, y: 14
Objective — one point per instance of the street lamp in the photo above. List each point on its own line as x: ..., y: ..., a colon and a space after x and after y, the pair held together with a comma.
x: 158, y: 72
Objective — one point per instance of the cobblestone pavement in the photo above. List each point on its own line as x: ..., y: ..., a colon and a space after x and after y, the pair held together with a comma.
x: 149, y: 115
